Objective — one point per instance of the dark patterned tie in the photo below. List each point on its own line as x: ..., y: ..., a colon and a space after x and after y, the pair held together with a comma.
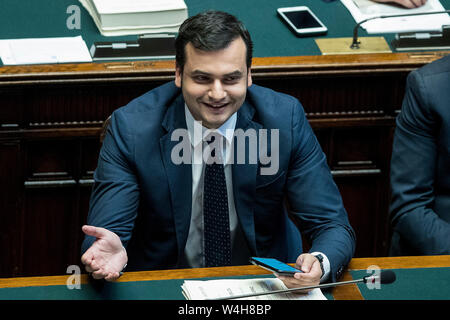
x: 215, y: 215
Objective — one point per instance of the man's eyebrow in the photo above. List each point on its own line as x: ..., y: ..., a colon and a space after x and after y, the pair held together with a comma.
x: 199, y: 72
x: 236, y: 73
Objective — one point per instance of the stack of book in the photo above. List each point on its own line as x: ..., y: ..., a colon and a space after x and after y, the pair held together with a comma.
x: 124, y: 17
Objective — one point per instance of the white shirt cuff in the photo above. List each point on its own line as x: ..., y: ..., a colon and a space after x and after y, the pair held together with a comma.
x: 326, y: 266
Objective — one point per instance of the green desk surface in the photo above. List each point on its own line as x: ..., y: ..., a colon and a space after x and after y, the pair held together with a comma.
x: 411, y: 284
x: 47, y: 18
x: 133, y: 290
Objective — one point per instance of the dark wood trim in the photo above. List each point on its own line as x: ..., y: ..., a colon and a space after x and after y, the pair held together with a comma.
x: 270, y: 67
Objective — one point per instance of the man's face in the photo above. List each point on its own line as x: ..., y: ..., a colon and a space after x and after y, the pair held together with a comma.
x: 214, y: 84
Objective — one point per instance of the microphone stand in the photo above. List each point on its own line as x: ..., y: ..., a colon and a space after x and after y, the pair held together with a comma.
x: 355, y: 44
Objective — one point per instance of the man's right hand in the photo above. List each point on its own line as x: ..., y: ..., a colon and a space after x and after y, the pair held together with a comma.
x: 106, y: 257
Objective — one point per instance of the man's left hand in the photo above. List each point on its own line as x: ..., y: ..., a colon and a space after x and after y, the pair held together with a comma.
x: 310, y: 276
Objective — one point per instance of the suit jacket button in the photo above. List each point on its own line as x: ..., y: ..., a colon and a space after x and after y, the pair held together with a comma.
x: 339, y: 272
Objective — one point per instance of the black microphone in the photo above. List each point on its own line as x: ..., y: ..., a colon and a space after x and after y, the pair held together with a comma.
x: 387, y: 277
x: 384, y: 277
x: 355, y: 43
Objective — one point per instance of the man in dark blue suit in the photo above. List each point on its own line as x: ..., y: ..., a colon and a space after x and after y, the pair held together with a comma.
x: 420, y: 165
x: 156, y: 204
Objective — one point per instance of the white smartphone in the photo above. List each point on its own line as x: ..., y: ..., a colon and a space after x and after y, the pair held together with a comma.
x: 302, y: 21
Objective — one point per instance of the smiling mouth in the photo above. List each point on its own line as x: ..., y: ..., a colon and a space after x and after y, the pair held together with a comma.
x: 217, y: 106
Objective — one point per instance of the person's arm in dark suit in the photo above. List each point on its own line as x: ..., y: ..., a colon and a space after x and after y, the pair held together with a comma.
x: 315, y: 199
x: 113, y: 205
x: 413, y: 170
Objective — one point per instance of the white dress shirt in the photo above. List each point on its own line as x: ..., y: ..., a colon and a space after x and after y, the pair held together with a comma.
x: 194, y: 251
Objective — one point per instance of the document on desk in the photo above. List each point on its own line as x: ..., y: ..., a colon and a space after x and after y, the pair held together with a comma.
x: 213, y: 289
x: 44, y: 50
x: 364, y: 9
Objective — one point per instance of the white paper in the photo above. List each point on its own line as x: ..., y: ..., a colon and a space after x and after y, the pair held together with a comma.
x: 116, y: 32
x: 211, y: 289
x: 124, y: 6
x: 363, y: 9
x: 44, y: 50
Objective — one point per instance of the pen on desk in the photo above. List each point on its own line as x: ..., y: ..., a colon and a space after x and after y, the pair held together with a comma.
x: 419, y: 35
x: 118, y: 45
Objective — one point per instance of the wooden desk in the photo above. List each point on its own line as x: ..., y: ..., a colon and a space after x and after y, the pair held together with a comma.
x: 51, y: 116
x: 346, y: 292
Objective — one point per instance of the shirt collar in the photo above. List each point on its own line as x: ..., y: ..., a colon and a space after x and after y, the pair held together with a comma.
x: 193, y: 126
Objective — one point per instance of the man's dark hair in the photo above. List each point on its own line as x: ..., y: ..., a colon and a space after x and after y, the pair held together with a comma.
x: 211, y: 31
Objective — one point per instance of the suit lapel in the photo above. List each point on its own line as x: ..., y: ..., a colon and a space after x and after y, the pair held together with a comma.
x: 244, y: 178
x: 179, y: 175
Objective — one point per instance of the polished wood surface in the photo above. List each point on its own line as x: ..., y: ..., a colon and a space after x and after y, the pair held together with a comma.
x: 261, y: 67
x: 347, y: 292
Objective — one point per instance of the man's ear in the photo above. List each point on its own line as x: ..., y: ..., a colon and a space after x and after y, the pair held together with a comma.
x: 178, y: 76
x: 249, y: 77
